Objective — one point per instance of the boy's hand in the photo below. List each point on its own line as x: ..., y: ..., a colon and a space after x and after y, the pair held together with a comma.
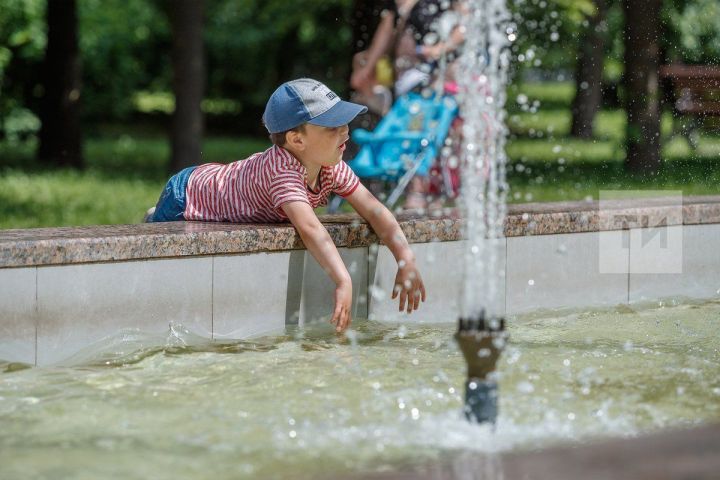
x: 409, y: 285
x: 343, y: 303
x: 321, y: 246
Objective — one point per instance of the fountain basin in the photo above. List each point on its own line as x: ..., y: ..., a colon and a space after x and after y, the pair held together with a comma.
x: 65, y: 288
x: 154, y: 317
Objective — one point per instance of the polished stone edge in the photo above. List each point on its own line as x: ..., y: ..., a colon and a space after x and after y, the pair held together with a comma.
x: 673, y: 454
x: 70, y: 245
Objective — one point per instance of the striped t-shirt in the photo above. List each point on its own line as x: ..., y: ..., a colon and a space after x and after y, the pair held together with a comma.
x: 253, y: 190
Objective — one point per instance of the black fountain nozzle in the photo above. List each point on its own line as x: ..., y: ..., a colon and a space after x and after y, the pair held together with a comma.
x: 481, y: 340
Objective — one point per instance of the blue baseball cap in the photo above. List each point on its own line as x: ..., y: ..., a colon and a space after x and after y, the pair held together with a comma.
x: 307, y: 101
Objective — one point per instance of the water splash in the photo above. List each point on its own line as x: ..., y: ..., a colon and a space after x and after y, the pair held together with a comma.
x: 482, y: 79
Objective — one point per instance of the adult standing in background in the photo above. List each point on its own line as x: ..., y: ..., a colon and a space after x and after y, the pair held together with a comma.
x: 416, y: 34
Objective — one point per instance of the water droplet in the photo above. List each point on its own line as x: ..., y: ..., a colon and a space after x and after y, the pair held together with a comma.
x: 402, y: 331
x: 377, y: 293
x: 525, y: 387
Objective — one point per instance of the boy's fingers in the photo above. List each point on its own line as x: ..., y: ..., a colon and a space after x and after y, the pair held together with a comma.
x: 344, y: 321
x: 336, y: 315
x: 403, y: 297
x: 342, y: 324
x: 422, y: 290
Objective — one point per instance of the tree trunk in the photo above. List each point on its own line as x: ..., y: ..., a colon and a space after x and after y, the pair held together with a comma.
x: 588, y: 74
x: 60, y: 138
x: 641, y: 85
x: 188, y: 59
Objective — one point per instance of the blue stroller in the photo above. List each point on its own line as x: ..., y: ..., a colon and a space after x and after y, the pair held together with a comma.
x: 405, y: 142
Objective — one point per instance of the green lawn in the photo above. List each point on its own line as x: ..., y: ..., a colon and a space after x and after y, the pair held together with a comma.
x: 124, y: 177
x: 126, y: 166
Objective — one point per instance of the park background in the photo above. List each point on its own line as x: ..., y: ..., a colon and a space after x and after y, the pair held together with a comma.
x: 89, y: 129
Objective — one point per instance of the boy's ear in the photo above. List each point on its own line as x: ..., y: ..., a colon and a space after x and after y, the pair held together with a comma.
x: 295, y: 139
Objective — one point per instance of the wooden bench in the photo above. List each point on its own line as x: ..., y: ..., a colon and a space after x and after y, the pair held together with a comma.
x: 694, y: 92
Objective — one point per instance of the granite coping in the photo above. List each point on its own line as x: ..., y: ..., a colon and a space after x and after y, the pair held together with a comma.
x: 109, y: 243
x: 676, y: 454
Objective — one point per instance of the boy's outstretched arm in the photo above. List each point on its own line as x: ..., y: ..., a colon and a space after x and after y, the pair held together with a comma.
x: 408, y: 283
x: 318, y: 241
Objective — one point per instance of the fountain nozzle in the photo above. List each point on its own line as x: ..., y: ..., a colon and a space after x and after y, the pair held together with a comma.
x: 481, y: 340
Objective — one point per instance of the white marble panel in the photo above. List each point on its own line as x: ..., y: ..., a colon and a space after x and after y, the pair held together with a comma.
x: 558, y: 271
x: 441, y: 267
x: 318, y: 290
x: 82, y: 304
x: 18, y: 315
x: 250, y: 293
x: 700, y: 266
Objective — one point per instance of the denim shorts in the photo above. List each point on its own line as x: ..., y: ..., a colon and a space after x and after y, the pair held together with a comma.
x: 171, y: 206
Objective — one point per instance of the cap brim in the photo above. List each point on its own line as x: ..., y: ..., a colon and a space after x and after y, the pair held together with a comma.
x: 340, y: 114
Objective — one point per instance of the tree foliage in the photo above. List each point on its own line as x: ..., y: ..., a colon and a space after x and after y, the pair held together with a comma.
x: 253, y: 45
x: 22, y: 45
x: 694, y: 31
x: 125, y: 47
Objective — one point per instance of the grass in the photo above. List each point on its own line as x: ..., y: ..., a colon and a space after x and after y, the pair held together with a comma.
x: 127, y: 165
x: 124, y: 177
x: 66, y: 197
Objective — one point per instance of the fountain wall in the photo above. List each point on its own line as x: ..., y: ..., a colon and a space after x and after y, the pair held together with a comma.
x: 63, y: 289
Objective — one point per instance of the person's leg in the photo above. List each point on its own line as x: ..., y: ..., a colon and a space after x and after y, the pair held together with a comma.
x: 416, y: 194
x: 171, y: 205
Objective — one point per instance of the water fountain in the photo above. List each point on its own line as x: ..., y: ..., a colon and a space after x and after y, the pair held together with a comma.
x: 482, y: 80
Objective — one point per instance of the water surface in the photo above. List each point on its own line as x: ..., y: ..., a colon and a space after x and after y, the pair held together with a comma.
x: 310, y: 404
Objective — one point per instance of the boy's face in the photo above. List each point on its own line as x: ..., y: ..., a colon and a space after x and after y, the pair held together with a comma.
x: 324, y: 146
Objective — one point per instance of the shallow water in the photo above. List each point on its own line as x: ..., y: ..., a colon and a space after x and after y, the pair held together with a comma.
x: 309, y: 404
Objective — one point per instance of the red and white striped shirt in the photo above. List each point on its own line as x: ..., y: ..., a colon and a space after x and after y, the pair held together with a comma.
x: 253, y: 190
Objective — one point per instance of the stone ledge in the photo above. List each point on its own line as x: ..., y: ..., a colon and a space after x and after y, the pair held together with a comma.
x: 673, y: 454
x: 71, y: 245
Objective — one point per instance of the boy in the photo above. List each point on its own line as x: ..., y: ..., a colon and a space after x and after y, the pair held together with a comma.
x: 308, y: 125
